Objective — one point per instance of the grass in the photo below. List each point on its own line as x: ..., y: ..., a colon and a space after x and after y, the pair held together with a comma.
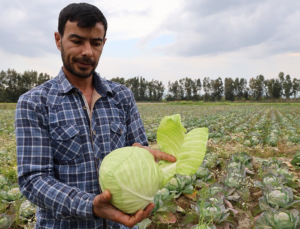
x: 8, y: 106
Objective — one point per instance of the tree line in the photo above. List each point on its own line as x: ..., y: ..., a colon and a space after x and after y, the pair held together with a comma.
x: 214, y: 89
x: 13, y: 84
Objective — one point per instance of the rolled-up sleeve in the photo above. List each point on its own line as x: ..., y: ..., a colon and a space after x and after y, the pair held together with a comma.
x: 36, y: 176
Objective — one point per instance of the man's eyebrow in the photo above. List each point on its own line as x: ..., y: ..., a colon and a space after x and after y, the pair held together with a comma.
x: 73, y: 35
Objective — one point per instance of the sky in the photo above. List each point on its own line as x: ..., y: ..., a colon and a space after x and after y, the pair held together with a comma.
x: 165, y: 40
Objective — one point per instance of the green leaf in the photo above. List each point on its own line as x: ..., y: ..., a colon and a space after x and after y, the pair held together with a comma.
x: 144, y: 224
x: 189, y: 149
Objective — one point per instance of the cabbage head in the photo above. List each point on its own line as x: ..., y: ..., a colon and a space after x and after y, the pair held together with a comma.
x: 281, y: 219
x: 133, y: 177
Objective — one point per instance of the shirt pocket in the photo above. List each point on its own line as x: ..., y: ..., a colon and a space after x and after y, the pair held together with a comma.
x: 117, y: 135
x: 66, y: 142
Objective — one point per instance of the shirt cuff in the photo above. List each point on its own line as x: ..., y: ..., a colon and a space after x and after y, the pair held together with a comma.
x: 83, y: 205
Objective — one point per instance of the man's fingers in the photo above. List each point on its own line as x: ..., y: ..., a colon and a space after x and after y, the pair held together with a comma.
x: 105, y: 196
x: 157, y: 154
x: 137, y: 144
x: 148, y: 210
x: 140, y: 215
x: 163, y: 156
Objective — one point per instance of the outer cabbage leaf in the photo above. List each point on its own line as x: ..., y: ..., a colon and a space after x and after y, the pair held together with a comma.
x: 189, y: 149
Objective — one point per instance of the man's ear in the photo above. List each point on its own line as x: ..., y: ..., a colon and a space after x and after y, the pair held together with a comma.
x: 58, y: 38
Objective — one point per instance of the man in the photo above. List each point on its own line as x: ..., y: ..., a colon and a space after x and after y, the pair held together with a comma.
x: 66, y: 126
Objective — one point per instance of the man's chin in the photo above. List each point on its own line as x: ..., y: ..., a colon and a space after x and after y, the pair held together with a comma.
x: 84, y: 73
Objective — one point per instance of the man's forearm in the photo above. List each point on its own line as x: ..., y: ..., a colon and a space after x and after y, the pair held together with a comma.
x: 64, y: 201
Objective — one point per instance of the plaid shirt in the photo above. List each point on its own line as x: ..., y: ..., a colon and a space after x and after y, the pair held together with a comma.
x: 59, y: 150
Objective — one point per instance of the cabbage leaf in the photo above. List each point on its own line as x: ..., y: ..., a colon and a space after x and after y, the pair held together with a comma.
x: 189, y: 149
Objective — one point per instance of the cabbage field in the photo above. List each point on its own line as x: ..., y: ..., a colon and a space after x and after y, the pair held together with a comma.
x: 248, y: 178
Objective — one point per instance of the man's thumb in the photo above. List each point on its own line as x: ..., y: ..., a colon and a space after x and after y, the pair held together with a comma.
x: 105, y: 196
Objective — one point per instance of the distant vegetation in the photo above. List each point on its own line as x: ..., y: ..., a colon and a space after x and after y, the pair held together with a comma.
x: 14, y: 84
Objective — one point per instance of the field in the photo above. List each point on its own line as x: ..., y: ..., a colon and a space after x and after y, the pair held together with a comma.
x: 263, y: 131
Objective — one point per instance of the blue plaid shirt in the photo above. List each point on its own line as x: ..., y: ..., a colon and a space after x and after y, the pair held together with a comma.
x: 59, y: 150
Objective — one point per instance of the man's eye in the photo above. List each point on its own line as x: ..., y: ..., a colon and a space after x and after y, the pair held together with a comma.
x: 76, y: 42
x: 97, y: 44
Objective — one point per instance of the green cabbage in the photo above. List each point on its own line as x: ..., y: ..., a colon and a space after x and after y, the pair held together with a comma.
x: 133, y: 177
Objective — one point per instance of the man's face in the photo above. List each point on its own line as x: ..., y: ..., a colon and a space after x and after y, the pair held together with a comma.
x: 80, y: 48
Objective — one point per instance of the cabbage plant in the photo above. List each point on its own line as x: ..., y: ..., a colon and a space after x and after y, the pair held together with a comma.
x: 282, y: 219
x: 203, y: 173
x: 235, y: 166
x: 281, y: 169
x: 132, y: 175
x: 11, y: 195
x: 273, y: 164
x: 210, y: 161
x: 273, y: 179
x: 181, y: 184
x: 6, y: 220
x: 27, y: 209
x: 220, y: 188
x: 234, y: 178
x: 215, y: 212
x: 278, y: 197
x: 243, y: 158
x: 296, y: 160
x: 3, y: 181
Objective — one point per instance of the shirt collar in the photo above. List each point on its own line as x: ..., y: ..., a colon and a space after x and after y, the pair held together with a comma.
x: 101, y: 85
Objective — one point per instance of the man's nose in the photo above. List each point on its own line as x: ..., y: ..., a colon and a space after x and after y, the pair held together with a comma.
x: 87, y: 49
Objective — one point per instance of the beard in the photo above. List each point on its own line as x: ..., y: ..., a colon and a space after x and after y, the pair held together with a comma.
x: 69, y: 64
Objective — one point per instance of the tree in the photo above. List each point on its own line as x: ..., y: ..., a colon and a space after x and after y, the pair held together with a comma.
x: 196, y: 88
x: 274, y: 88
x: 118, y: 80
x: 27, y: 81
x: 133, y: 85
x: 206, y: 88
x: 286, y: 85
x: 159, y: 89
x: 257, y: 87
x: 189, y: 84
x: 181, y: 89
x: 173, y: 90
x: 240, y: 87
x: 2, y: 86
x: 217, y: 89
x: 229, y: 89
x: 43, y: 77
x: 142, y: 89
x: 296, y: 86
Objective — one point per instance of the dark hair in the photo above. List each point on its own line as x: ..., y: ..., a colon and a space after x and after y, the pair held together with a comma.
x: 85, y: 14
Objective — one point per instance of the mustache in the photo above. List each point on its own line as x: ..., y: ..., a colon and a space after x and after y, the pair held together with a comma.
x: 84, y: 59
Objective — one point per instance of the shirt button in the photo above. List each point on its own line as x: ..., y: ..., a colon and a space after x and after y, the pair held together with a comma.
x: 121, y: 131
x: 94, y: 132
x: 84, y: 107
x: 75, y: 93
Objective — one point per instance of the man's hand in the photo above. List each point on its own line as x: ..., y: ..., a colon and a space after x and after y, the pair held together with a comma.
x: 157, y: 154
x: 102, y: 208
